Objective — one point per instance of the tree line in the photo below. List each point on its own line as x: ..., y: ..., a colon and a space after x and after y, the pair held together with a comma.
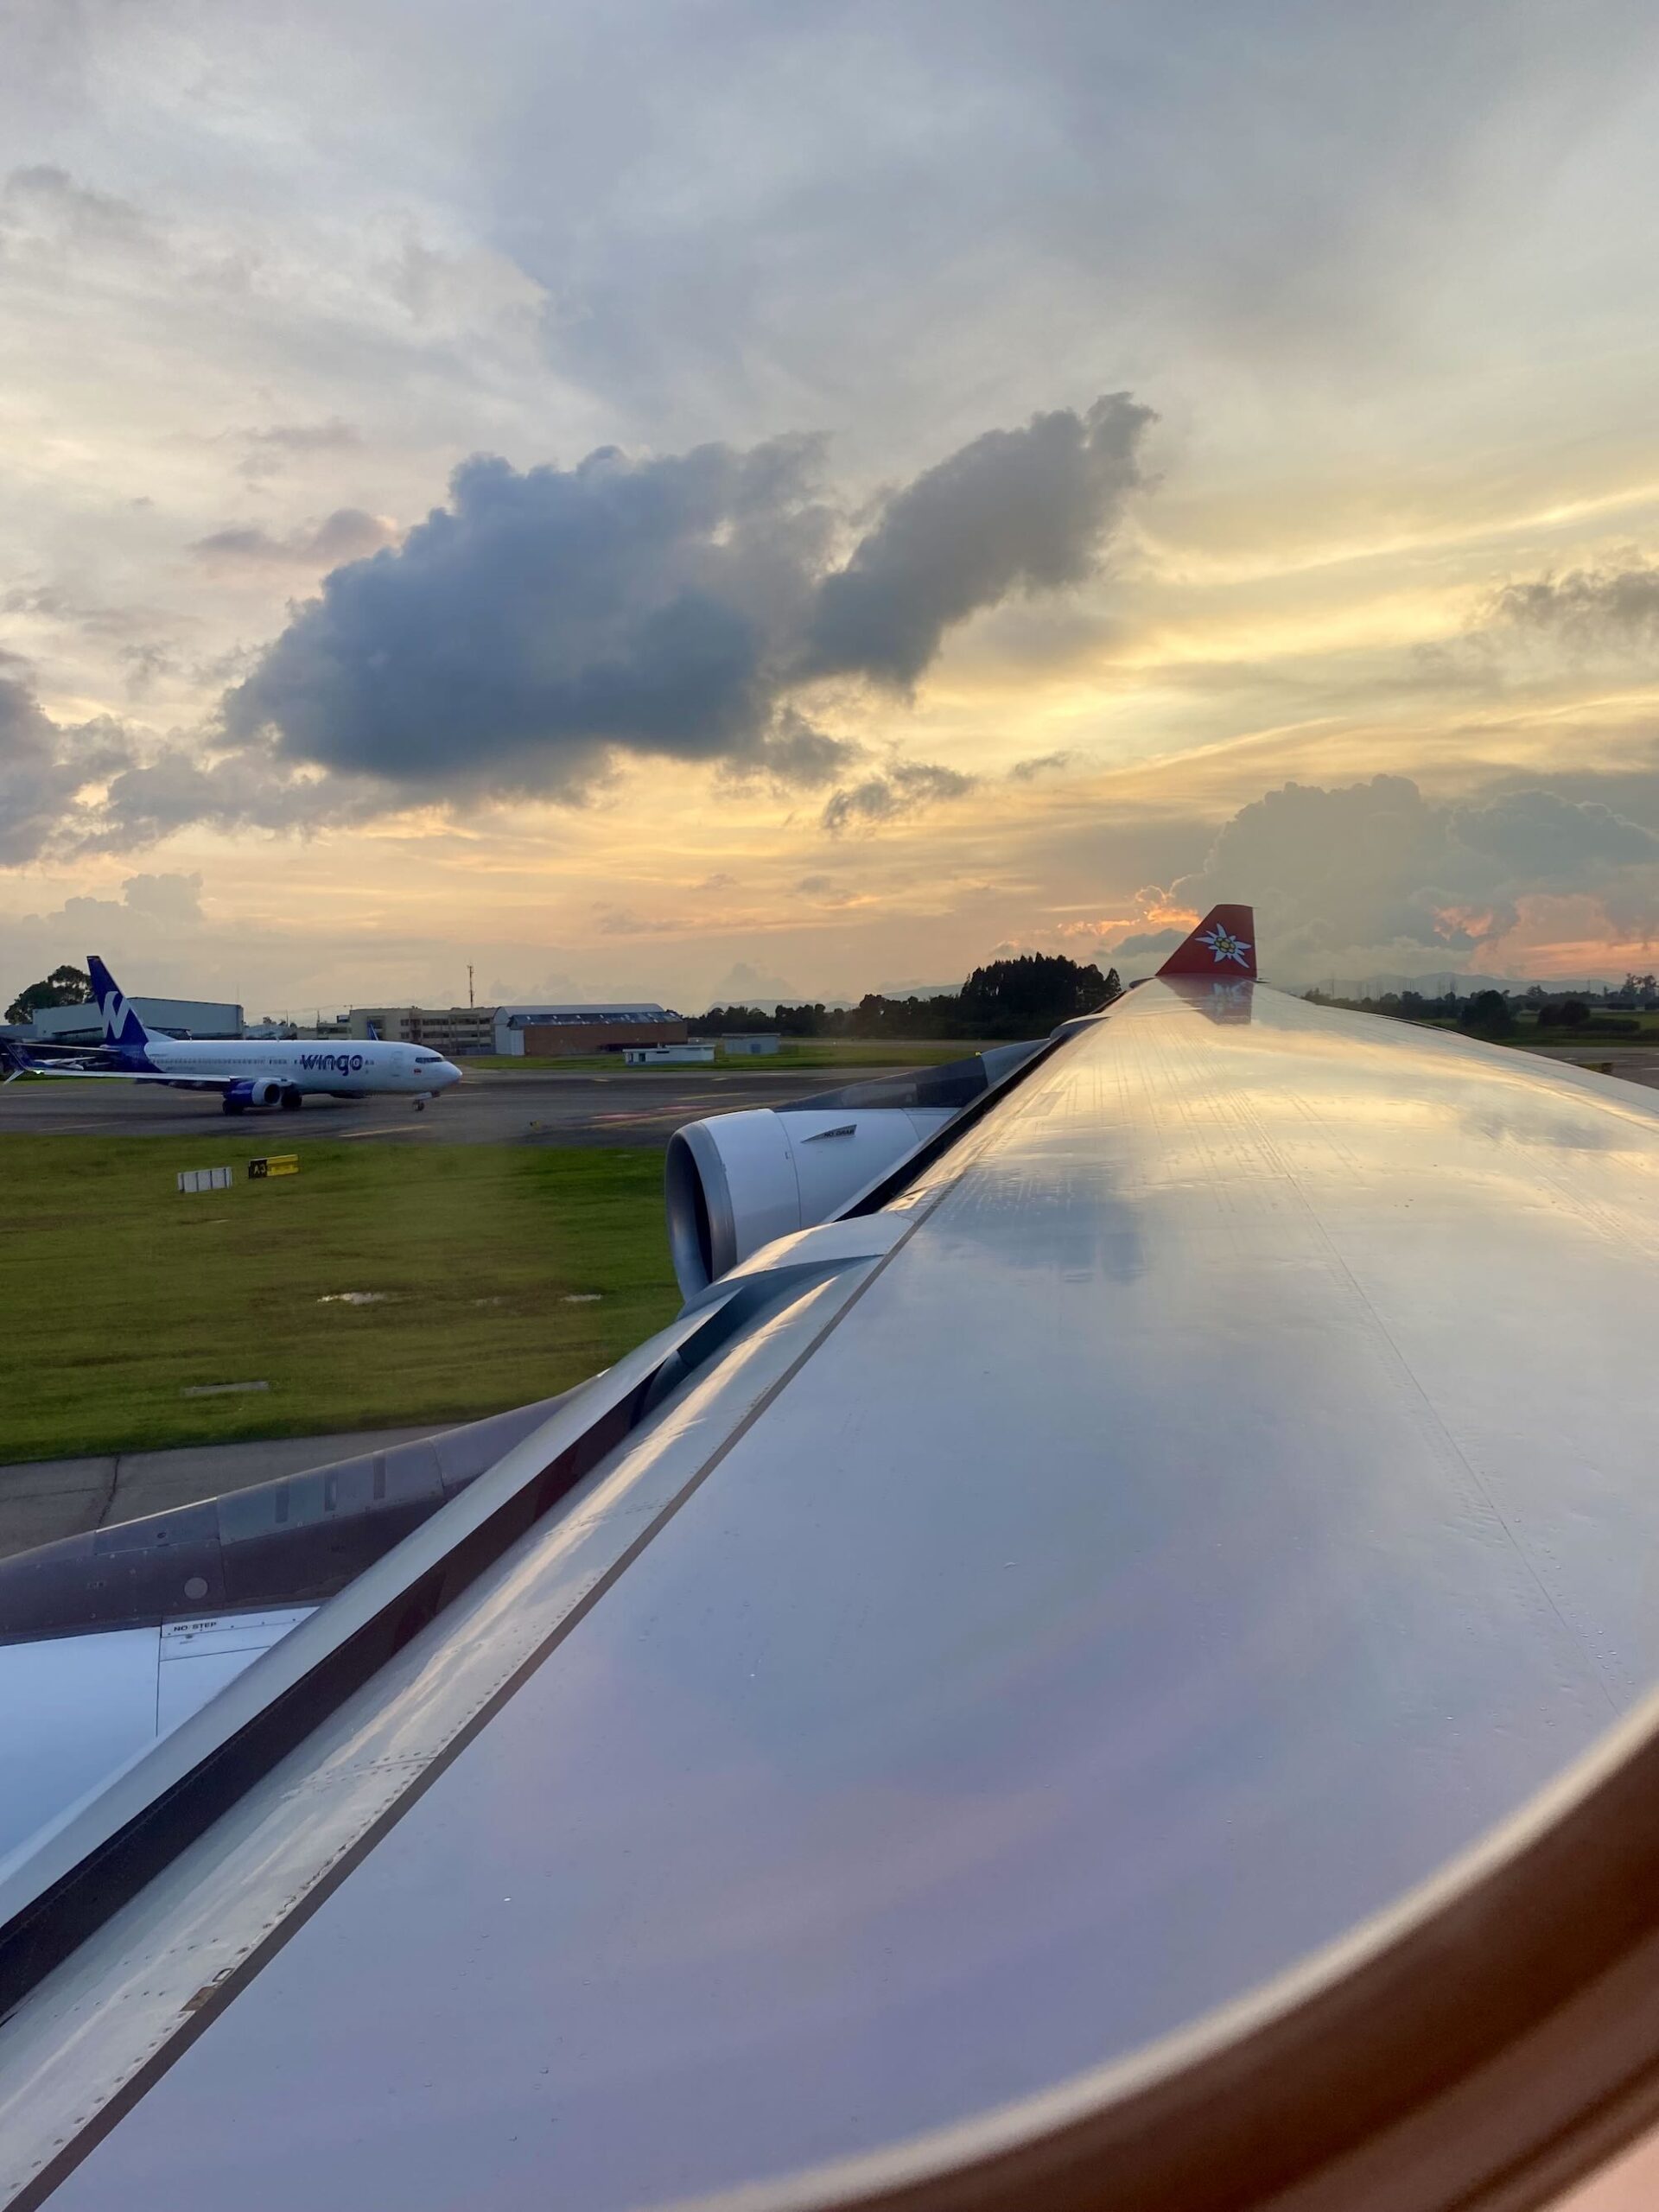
x: 1023, y: 997
x: 64, y: 986
x: 1495, y: 1013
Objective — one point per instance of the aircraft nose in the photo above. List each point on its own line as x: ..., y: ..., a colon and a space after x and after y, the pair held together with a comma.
x: 449, y: 1075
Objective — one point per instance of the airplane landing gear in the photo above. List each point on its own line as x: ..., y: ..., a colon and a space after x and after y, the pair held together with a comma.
x: 291, y: 1102
x: 420, y: 1105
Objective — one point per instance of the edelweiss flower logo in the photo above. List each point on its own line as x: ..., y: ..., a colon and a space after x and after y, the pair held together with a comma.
x: 1225, y: 946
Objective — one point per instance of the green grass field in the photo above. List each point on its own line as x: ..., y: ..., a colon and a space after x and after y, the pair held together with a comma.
x: 504, y: 1274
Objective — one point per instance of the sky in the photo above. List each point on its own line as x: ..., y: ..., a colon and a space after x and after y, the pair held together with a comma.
x: 694, y: 499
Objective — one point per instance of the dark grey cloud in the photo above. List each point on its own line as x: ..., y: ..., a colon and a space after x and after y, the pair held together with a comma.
x: 1016, y: 510
x: 348, y: 534
x: 1378, y: 873
x: 906, y: 788
x: 796, y: 756
x: 1583, y: 610
x: 546, y: 620
x: 38, y: 779
x: 1041, y: 763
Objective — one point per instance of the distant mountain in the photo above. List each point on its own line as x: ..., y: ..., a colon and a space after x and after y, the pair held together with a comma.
x: 917, y: 990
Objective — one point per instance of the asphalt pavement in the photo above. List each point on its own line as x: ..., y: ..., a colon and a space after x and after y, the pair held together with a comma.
x: 43, y: 1499
x: 635, y: 1106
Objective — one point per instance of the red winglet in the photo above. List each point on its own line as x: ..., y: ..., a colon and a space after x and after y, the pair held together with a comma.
x: 1224, y: 945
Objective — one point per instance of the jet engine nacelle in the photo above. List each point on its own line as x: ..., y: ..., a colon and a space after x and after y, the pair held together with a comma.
x: 736, y: 1181
x: 257, y: 1090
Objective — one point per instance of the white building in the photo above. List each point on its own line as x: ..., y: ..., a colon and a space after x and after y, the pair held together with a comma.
x: 83, y: 1025
x: 657, y: 1055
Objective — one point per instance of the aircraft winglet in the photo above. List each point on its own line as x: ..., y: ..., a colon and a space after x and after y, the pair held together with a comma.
x: 1223, y: 945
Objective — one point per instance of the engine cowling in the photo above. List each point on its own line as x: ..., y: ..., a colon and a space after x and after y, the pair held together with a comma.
x: 737, y: 1181
x: 255, y: 1090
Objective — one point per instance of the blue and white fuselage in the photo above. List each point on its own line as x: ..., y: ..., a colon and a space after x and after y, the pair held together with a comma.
x: 250, y: 1071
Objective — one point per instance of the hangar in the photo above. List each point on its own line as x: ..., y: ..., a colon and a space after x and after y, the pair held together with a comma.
x: 83, y: 1025
x: 514, y: 1031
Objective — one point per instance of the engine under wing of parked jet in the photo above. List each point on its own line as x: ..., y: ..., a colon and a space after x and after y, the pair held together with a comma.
x: 1115, y: 1668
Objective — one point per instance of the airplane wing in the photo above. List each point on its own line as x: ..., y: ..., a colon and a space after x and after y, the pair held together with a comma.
x: 1116, y: 1667
x: 123, y: 1075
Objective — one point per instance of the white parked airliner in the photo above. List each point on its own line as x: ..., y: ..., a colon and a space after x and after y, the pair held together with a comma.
x: 248, y: 1072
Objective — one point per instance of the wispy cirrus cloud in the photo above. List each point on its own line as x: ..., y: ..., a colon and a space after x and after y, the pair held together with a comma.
x: 347, y: 534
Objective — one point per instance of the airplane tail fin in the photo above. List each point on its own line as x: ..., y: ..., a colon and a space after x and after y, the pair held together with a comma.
x: 122, y: 1027
x: 1224, y: 945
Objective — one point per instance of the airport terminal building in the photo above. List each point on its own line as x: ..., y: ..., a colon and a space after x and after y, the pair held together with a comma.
x: 536, y: 1032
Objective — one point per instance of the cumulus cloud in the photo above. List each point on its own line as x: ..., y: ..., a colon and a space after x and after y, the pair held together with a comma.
x: 796, y: 755
x: 906, y: 788
x: 744, y: 984
x: 546, y: 620
x: 37, y: 781
x: 101, y: 786
x: 1015, y: 510
x: 1376, y: 873
x: 348, y: 534
x: 155, y: 915
x: 152, y: 794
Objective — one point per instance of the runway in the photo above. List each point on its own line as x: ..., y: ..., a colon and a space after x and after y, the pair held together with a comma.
x: 635, y: 1106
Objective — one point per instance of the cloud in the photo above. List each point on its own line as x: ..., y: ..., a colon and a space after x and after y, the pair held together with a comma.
x: 546, y: 621
x: 42, y: 207
x: 1016, y: 510
x: 152, y: 795
x: 332, y: 436
x: 348, y: 534
x: 744, y: 984
x: 1584, y: 610
x: 38, y: 781
x: 268, y: 450
x: 100, y: 786
x: 1041, y: 763
x: 622, y: 921
x: 171, y: 898
x: 795, y: 756
x: 1376, y: 873
x: 906, y: 788
x: 154, y: 912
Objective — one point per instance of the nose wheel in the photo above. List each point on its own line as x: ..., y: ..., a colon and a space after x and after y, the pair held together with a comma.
x: 420, y: 1105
